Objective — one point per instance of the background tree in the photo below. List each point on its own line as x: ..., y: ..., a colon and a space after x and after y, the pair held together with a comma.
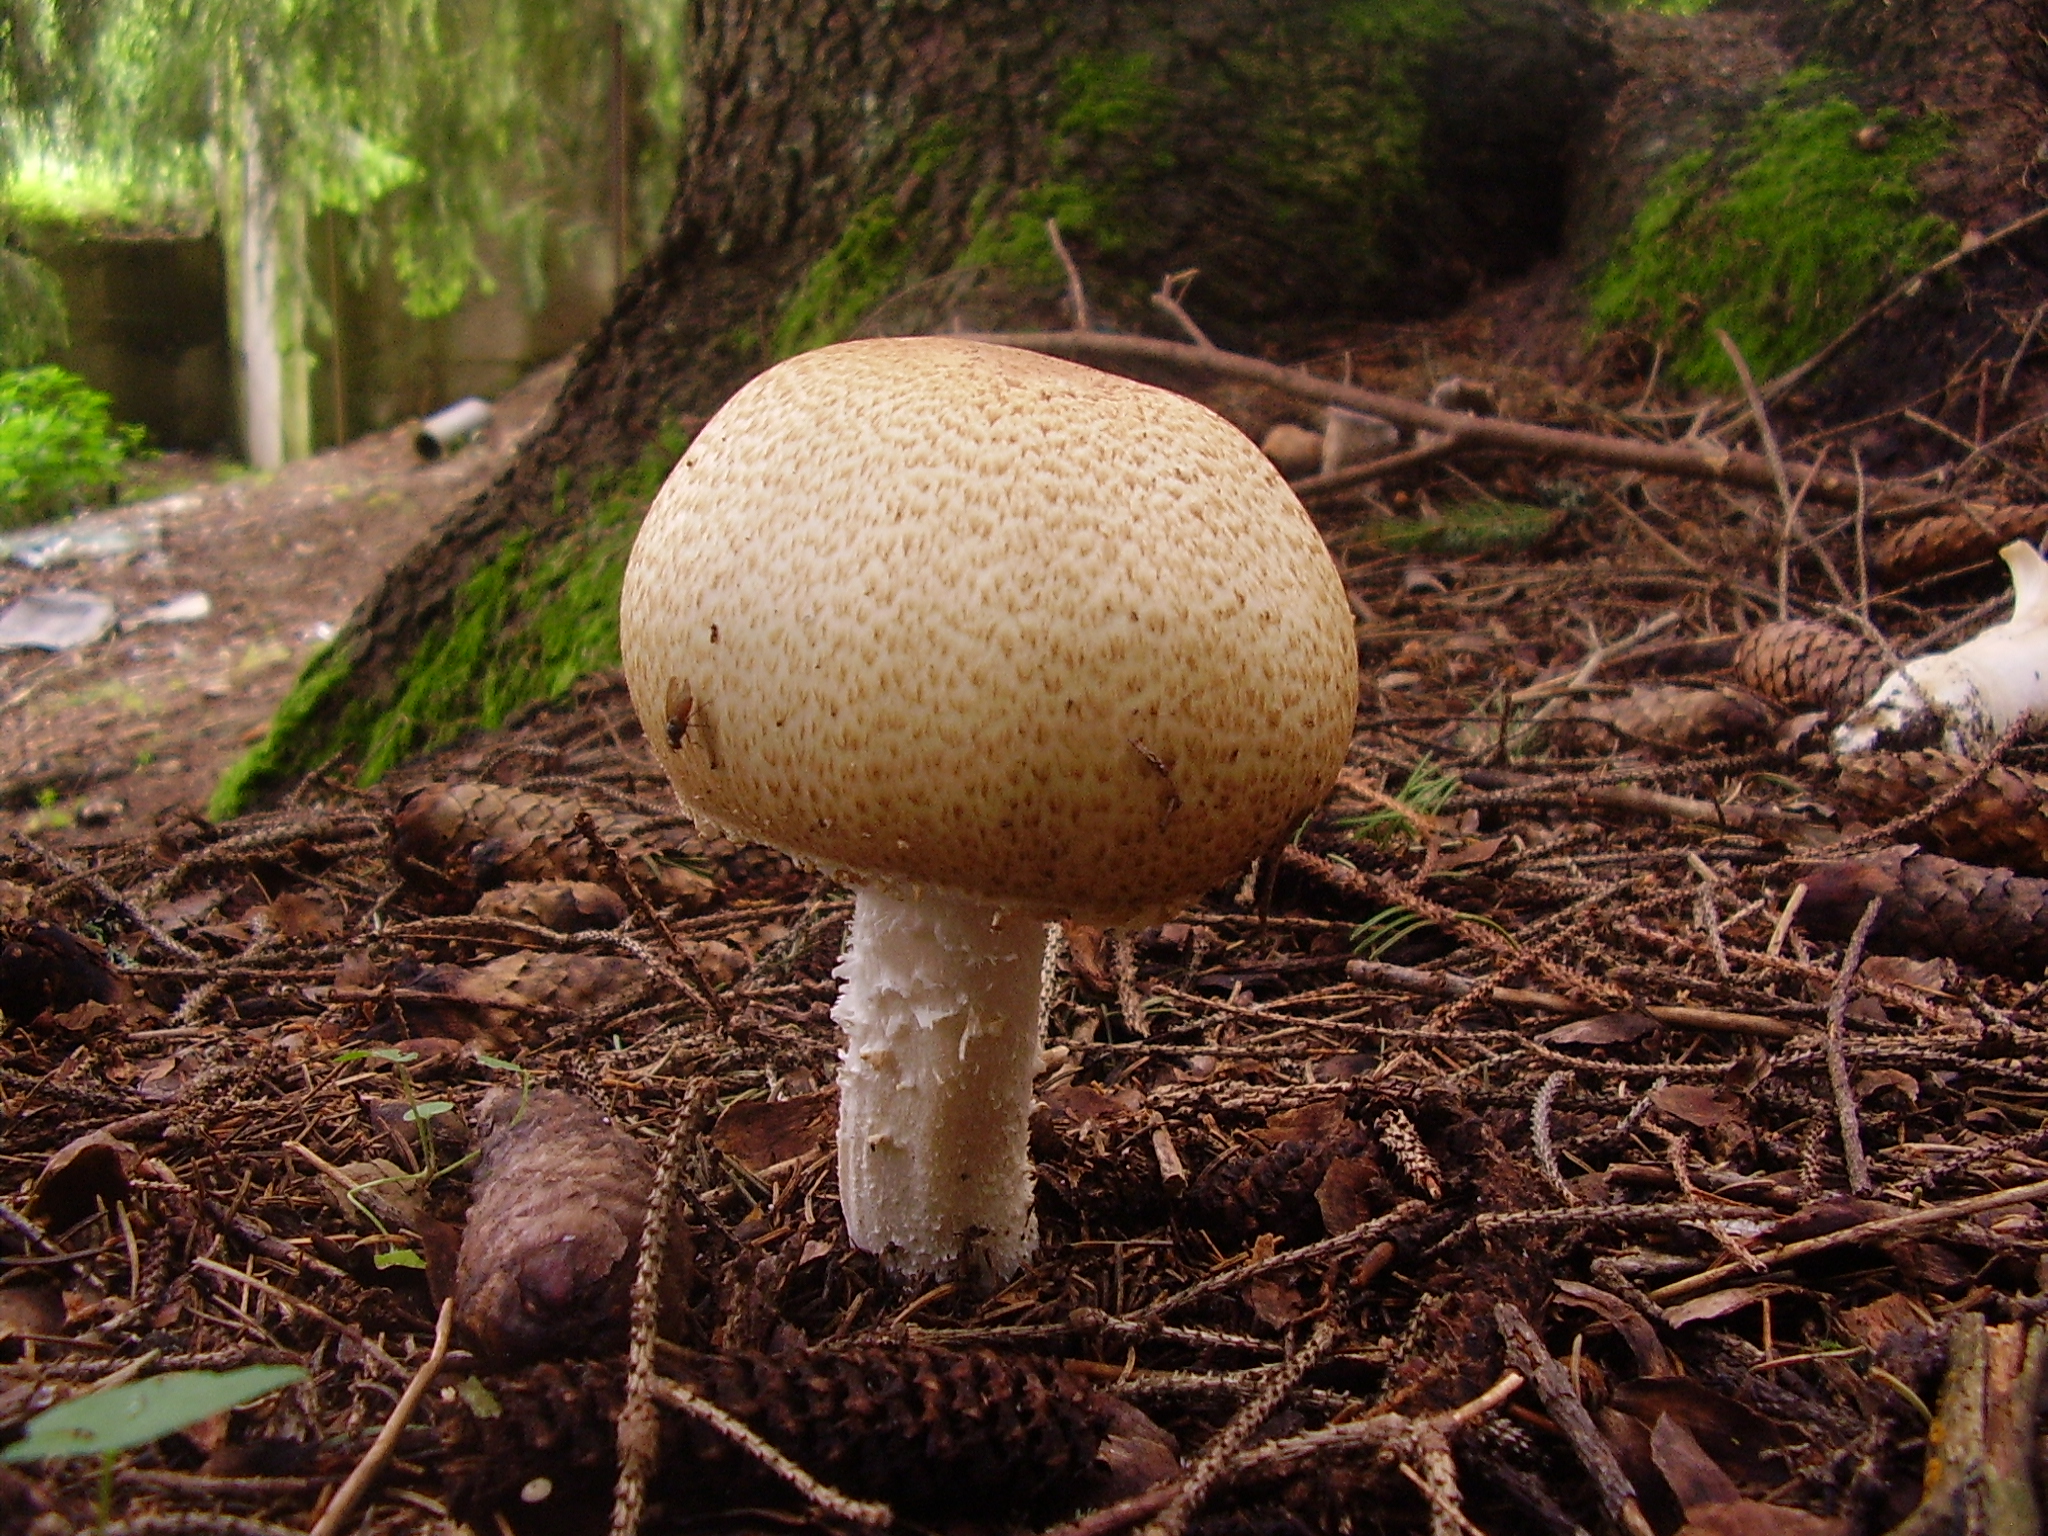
x: 434, y: 123
x: 40, y: 44
x: 894, y: 165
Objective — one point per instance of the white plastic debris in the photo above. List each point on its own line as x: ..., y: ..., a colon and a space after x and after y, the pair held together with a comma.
x: 116, y: 535
x: 55, y: 621
x: 1970, y: 696
x: 450, y: 427
x: 1352, y: 437
x: 185, y: 608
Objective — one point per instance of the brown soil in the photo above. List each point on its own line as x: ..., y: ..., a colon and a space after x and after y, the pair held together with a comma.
x: 101, y: 740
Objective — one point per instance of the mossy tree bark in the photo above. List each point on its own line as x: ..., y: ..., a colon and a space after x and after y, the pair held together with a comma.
x: 892, y: 166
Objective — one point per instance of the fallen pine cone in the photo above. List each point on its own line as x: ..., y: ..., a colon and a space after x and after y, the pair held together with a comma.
x: 2000, y: 820
x: 1934, y: 906
x: 927, y: 1431
x: 1804, y: 665
x: 553, y: 1235
x: 474, y: 837
x: 567, y: 906
x: 1952, y: 540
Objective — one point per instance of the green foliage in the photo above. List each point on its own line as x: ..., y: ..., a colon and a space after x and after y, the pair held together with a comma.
x: 1780, y: 235
x: 133, y: 1414
x: 1661, y: 7
x: 1427, y: 790
x: 58, y: 444
x: 32, y: 321
x: 1470, y: 528
x: 523, y: 628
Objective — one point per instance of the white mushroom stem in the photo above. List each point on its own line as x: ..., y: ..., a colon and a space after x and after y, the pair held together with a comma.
x: 939, y: 1001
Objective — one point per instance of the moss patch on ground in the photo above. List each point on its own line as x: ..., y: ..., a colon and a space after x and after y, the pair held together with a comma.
x: 523, y: 628
x: 1780, y: 235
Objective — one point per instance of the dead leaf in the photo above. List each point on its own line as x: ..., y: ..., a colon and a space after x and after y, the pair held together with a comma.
x: 759, y: 1134
x: 33, y: 1310
x: 1937, y: 975
x: 1278, y: 1304
x: 1875, y: 1324
x: 1345, y: 1195
x: 1747, y: 1517
x: 298, y: 916
x: 1087, y: 956
x: 1315, y: 1122
x: 1722, y: 1303
x: 1652, y: 1358
x: 1607, y: 1029
x: 1742, y: 1441
x: 1879, y: 1078
x: 1084, y: 1107
x: 1834, y: 1213
x: 80, y: 1175
x: 1694, y: 1477
x: 1698, y: 1104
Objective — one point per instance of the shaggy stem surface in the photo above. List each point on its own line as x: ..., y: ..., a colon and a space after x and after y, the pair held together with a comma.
x: 939, y: 1002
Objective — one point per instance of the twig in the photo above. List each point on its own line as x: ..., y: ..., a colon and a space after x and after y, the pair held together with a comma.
x: 1172, y: 287
x: 1713, y: 463
x: 1980, y: 1451
x: 673, y: 1394
x: 1774, y: 459
x: 1848, y: 1237
x: 1357, y: 1237
x: 1360, y: 474
x: 1846, y: 1116
x: 1906, y: 289
x: 1528, y: 1354
x: 608, y: 857
x: 1218, y: 1455
x: 1450, y: 984
x: 1130, y: 1002
x: 1077, y: 295
x: 2012, y: 365
x: 343, y: 1505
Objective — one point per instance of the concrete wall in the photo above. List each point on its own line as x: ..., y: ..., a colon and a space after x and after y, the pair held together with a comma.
x: 149, y: 326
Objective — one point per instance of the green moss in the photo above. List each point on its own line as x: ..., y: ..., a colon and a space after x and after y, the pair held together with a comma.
x: 1780, y: 236
x: 866, y: 265
x: 1106, y: 140
x: 523, y: 628
x: 1472, y: 528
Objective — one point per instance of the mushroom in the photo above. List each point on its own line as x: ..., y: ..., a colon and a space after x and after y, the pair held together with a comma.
x: 1969, y: 696
x: 996, y: 640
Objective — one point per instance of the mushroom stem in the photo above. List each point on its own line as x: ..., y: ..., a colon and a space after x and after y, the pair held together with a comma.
x: 939, y: 1001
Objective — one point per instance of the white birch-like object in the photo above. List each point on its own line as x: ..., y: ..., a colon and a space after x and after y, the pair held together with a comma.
x: 1968, y: 697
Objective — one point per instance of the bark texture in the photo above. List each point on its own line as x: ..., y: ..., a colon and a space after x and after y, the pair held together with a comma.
x: 1319, y: 162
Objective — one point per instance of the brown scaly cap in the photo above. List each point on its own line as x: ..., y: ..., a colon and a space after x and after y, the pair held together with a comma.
x: 927, y: 612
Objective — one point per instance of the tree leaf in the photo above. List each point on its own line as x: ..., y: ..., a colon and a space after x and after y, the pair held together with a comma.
x: 137, y: 1412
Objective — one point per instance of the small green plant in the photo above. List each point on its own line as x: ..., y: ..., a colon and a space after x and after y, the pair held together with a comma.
x: 117, y: 1419
x: 1470, y: 528
x: 1384, y: 929
x: 59, y: 446
x: 1426, y: 791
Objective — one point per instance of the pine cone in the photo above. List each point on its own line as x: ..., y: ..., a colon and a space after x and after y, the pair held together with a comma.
x: 2001, y: 820
x: 1804, y: 665
x: 927, y: 1431
x: 478, y: 836
x: 1956, y: 539
x: 1934, y: 907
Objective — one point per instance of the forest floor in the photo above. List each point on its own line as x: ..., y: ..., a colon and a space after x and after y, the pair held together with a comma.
x: 1531, y: 1153
x: 102, y: 739
x: 1539, y: 1147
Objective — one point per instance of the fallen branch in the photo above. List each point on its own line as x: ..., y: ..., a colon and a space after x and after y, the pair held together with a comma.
x: 1528, y: 1354
x: 1980, y: 1454
x: 1705, y: 462
x: 1446, y: 984
x: 343, y: 1505
x: 1848, y: 1237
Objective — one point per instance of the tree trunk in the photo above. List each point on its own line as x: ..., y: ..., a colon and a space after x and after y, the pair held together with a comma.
x: 268, y: 221
x: 891, y: 166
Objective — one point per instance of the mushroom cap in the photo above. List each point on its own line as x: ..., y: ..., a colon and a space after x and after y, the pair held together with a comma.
x: 935, y: 614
